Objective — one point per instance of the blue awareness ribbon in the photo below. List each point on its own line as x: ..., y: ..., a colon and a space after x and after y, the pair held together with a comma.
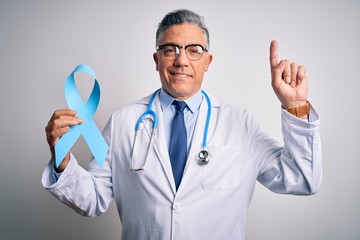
x: 88, y: 129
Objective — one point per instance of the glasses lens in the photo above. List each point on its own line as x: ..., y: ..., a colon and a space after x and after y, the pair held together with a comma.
x: 169, y: 51
x: 194, y: 52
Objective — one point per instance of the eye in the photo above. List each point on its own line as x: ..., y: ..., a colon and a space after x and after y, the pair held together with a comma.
x: 194, y: 50
x: 169, y: 50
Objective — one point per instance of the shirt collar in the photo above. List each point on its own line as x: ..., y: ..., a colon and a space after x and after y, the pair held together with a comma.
x: 193, y: 103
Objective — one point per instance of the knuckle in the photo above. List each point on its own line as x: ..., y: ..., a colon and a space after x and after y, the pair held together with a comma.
x: 68, y: 112
x: 49, y: 127
x: 54, y: 134
x: 56, y: 113
x: 56, y: 123
x: 60, y: 112
x: 302, y: 68
x: 64, y: 130
x: 294, y: 67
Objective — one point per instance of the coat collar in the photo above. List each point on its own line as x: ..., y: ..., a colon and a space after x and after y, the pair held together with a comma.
x: 159, y: 143
x: 145, y: 100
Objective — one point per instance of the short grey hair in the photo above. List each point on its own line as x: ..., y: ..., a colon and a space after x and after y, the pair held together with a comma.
x: 181, y: 16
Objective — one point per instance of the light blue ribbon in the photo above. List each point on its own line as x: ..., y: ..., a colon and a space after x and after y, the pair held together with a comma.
x: 88, y: 129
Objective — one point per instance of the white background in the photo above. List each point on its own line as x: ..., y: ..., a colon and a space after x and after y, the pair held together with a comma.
x: 41, y: 42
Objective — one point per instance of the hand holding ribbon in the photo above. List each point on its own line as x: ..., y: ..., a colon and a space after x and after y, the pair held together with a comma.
x: 88, y: 129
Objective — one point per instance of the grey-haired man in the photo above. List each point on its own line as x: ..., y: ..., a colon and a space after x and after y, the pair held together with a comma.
x: 210, y: 200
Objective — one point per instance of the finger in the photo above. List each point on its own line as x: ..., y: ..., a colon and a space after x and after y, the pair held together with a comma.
x: 277, y: 75
x: 286, y: 75
x: 301, y: 74
x: 294, y: 71
x: 67, y: 121
x: 63, y: 121
x: 61, y: 112
x: 58, y: 127
x: 274, y: 59
x: 55, y: 135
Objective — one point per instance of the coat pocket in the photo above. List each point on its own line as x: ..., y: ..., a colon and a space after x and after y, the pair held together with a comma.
x: 226, y: 168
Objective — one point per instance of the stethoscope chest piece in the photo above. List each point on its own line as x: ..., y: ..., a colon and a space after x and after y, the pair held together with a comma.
x: 204, y: 157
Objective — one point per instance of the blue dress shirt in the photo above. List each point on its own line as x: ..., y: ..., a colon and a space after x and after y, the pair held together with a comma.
x: 190, y: 114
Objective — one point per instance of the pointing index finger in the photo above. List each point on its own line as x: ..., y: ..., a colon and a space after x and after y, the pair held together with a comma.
x: 274, y: 61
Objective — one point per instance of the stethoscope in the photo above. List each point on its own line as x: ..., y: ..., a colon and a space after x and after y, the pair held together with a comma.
x: 204, y: 155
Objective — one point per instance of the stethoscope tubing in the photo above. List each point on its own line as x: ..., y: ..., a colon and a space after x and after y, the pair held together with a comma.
x: 151, y: 112
x: 208, y: 117
x: 204, y: 155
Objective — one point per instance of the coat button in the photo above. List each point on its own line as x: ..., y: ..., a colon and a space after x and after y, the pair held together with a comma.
x: 176, y: 206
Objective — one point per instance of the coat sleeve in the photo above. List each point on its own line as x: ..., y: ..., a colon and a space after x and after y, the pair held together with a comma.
x: 88, y: 192
x: 296, y: 167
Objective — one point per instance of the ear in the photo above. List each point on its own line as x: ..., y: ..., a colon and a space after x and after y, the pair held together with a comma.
x: 208, y: 62
x: 156, y: 60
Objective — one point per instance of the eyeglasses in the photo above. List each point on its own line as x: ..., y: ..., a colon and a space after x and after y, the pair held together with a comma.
x: 171, y: 51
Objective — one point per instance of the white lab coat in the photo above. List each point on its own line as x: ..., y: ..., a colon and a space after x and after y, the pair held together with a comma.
x: 212, y: 200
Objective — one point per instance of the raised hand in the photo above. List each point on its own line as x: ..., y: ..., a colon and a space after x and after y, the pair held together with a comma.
x: 288, y: 80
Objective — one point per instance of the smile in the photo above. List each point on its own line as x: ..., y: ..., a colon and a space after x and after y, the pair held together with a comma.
x: 180, y: 75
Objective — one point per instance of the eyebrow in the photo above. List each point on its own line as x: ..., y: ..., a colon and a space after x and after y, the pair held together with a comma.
x: 172, y: 43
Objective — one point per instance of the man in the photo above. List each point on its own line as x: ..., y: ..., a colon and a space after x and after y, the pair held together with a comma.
x: 199, y: 201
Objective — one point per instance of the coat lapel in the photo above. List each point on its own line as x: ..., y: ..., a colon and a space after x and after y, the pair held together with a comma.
x: 160, y: 145
x: 192, y: 168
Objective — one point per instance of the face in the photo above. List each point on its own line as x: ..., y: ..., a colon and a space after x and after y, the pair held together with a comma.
x: 182, y: 78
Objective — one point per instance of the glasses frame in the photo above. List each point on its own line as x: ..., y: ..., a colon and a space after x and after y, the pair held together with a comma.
x: 161, y: 47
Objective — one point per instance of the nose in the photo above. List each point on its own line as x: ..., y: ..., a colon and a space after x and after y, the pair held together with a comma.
x: 181, y: 59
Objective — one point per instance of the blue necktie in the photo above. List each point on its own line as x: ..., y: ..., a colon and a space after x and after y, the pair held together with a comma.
x: 178, y: 143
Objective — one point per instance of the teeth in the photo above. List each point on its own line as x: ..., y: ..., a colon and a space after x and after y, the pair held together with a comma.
x: 180, y: 75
